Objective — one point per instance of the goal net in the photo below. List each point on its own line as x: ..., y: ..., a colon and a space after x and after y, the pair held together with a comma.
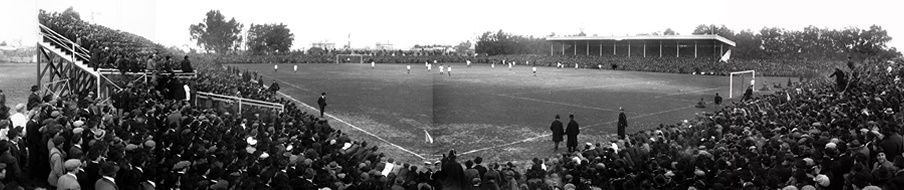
x: 739, y: 81
x: 349, y: 58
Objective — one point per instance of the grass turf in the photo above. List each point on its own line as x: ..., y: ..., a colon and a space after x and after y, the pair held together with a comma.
x: 15, y: 81
x: 495, y: 113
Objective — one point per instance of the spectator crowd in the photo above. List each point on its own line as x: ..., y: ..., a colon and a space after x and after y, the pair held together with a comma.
x: 812, y: 135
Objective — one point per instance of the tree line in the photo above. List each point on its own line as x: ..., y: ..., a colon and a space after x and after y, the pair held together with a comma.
x: 215, y: 34
x: 769, y: 42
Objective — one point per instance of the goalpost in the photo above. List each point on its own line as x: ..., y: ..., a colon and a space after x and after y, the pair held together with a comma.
x: 349, y: 58
x: 743, y: 84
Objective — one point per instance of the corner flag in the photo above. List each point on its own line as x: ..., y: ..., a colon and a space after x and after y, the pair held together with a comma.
x: 726, y: 56
x: 427, y: 137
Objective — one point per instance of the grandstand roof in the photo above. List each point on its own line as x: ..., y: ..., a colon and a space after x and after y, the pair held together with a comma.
x: 620, y: 38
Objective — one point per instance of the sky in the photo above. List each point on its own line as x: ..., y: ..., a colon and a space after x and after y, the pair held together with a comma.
x: 404, y: 23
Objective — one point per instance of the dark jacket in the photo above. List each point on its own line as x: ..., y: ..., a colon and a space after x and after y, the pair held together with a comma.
x: 186, y: 66
x: 557, y: 131
x: 622, y: 124
x: 33, y: 100
x: 572, y: 131
x: 321, y: 101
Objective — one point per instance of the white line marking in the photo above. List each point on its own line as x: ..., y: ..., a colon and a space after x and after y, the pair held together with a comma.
x: 344, y: 122
x: 353, y: 126
x: 688, y: 92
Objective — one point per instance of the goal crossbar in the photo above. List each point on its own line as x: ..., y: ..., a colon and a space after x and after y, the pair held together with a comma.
x: 359, y: 56
x: 731, y: 80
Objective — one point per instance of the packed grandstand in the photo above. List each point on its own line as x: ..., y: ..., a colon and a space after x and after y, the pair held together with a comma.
x: 811, y: 136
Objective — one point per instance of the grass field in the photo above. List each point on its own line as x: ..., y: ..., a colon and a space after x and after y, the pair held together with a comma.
x: 495, y: 113
x: 15, y: 81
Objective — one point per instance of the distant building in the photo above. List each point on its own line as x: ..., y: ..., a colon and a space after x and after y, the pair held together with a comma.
x: 443, y: 48
x: 689, y: 46
x: 384, y: 46
x: 324, y: 45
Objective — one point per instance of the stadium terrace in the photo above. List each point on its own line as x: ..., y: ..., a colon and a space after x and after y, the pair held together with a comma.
x: 642, y: 46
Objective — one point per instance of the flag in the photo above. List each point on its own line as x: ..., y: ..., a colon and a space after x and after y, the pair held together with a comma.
x: 427, y: 137
x: 726, y: 56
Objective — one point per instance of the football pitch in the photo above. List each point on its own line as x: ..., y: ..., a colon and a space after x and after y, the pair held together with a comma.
x: 494, y: 113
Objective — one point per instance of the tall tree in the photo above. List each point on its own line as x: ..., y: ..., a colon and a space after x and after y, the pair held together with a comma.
x: 749, y: 45
x: 269, y: 38
x: 463, y: 47
x: 713, y: 29
x: 504, y: 43
x: 216, y: 34
x: 668, y: 31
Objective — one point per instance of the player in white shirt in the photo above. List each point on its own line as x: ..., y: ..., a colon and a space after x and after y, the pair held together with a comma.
x: 409, y: 69
x: 275, y: 67
x: 469, y: 64
x: 372, y: 65
x: 429, y: 66
x: 510, y: 65
x: 295, y: 68
x: 575, y: 66
x: 449, y: 70
x: 535, y: 70
x: 440, y: 69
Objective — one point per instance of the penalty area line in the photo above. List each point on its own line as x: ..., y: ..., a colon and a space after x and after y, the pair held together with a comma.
x: 343, y: 121
x: 354, y: 127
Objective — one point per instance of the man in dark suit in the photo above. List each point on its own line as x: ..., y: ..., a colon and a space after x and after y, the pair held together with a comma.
x: 840, y: 79
x: 322, y: 102
x: 106, y: 182
x: 34, y: 99
x: 13, y: 169
x: 572, y: 131
x: 622, y: 123
x: 274, y: 86
x: 717, y: 99
x: 557, y: 132
x: 748, y: 94
x: 186, y: 65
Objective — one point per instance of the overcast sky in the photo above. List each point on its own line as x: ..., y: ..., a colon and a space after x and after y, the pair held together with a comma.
x: 405, y: 23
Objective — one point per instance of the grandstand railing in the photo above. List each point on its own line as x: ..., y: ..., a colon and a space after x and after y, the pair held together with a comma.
x: 63, y: 59
x: 62, y: 42
x: 175, y: 73
x: 241, y: 101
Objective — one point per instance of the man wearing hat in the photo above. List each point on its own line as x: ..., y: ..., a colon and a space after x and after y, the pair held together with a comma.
x: 557, y: 132
x: 56, y: 161
x: 69, y: 181
x: 322, y: 102
x: 572, y: 131
x: 107, y: 182
x: 33, y: 99
x: 13, y: 170
x: 622, y: 123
